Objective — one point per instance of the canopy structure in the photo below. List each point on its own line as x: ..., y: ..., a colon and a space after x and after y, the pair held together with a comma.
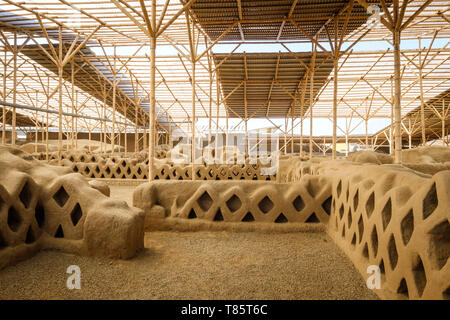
x: 269, y: 85
x: 160, y: 66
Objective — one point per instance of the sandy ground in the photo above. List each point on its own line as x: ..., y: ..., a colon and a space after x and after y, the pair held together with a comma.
x: 200, y: 265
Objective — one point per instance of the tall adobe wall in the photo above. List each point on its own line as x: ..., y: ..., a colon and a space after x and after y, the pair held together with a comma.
x: 397, y: 219
x: 47, y: 207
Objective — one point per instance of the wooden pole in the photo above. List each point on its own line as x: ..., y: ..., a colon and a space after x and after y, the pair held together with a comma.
x: 72, y: 75
x: 335, y: 87
x: 60, y: 99
x: 397, y: 100
x: 151, y: 149
x: 443, y: 121
x: 13, y: 138
x: 422, y: 102
x: 113, y: 130
x: 4, y: 95
x: 311, y: 99
x: 46, y: 122
x: 391, y: 127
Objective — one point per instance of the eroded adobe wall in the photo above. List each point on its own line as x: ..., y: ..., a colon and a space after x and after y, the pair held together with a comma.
x: 237, y: 201
x: 394, y: 218
x: 47, y: 207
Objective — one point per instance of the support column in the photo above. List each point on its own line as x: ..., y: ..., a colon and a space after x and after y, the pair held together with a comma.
x: 60, y: 99
x: 397, y: 99
x: 311, y: 99
x: 4, y: 111
x: 422, y: 102
x: 151, y: 149
x: 13, y: 123
x: 335, y: 89
x: 193, y: 120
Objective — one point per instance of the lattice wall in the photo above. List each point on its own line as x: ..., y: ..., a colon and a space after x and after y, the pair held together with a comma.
x: 399, y: 221
x: 43, y: 207
x: 306, y: 201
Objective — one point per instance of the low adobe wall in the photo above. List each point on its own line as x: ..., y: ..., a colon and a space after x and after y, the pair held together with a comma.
x: 46, y: 207
x: 126, y: 169
x: 236, y: 201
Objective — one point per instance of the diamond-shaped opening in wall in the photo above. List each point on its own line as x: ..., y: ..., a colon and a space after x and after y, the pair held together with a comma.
x: 370, y: 204
x: 265, y: 205
x: 386, y: 214
x: 30, y: 238
x: 354, y: 239
x: 339, y: 188
x: 218, y: 216
x: 361, y: 228
x: 440, y: 243
x: 3, y: 243
x: 374, y: 241
x: 326, y: 205
x: 76, y: 214
x: 356, y: 200
x: 61, y: 196
x: 430, y: 202
x: 350, y: 219
x: 420, y: 277
x: 392, y: 251
x: 14, y: 219
x: 365, y: 251
x: 298, y: 203
x: 25, y: 195
x: 446, y: 294
x: 205, y: 201
x: 59, y: 232
x: 403, y: 289
x: 248, y: 217
x: 39, y: 214
x: 192, y: 214
x: 341, y: 211
x: 281, y: 218
x: 407, y: 227
x: 312, y: 218
x: 382, y: 269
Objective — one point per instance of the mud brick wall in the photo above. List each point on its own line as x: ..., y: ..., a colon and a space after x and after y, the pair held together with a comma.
x: 395, y: 219
x: 47, y: 207
x: 308, y: 200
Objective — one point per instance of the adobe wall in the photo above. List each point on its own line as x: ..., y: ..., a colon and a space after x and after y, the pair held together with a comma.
x: 237, y: 201
x: 397, y: 219
x: 382, y: 215
x: 47, y: 207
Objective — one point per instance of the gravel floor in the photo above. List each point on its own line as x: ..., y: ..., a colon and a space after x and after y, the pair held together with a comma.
x: 200, y: 265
